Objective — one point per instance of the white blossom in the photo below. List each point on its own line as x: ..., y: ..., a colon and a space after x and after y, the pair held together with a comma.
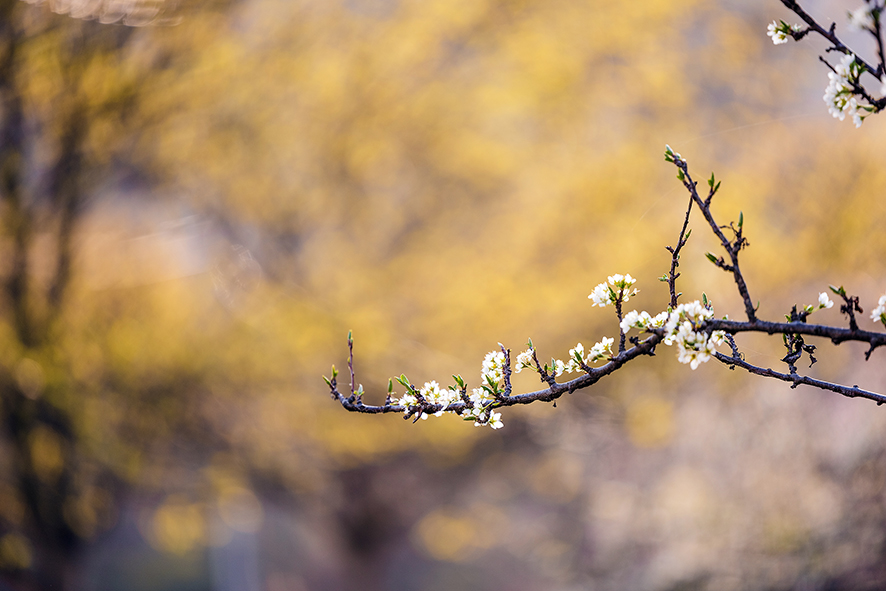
x: 431, y: 391
x: 780, y: 31
x: 601, y: 296
x: 692, y: 312
x: 824, y: 301
x: 659, y: 320
x: 879, y: 313
x: 601, y: 350
x: 642, y: 320
x: 523, y: 360
x: 861, y: 19
x: 683, y: 328
x: 694, y: 346
x: 839, y: 95
x: 493, y: 367
x: 623, y: 284
x: 576, y: 358
x: 608, y: 293
x: 631, y: 320
x: 407, y: 400
x: 480, y: 397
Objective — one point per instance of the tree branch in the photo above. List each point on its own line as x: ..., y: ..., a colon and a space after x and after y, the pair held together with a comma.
x: 797, y: 380
x: 732, y: 247
x: 690, y: 326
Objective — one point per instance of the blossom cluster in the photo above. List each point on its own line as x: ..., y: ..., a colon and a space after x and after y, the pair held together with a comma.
x: 780, y: 31
x: 492, y: 377
x: 431, y: 393
x: 879, y: 313
x: 694, y: 346
x: 617, y: 288
x: 643, y: 321
x: 578, y: 357
x: 839, y: 95
x: 683, y: 326
x: 842, y: 94
x: 525, y: 360
x: 482, y: 398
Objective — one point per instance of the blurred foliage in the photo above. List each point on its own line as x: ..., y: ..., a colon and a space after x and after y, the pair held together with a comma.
x: 246, y: 186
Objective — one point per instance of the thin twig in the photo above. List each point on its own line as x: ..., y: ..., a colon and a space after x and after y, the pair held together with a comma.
x: 675, y: 256
x: 731, y: 248
x: 506, y: 371
x: 351, y: 363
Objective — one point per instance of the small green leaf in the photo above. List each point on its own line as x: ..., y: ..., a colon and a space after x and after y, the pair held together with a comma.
x: 711, y: 181
x: 704, y: 298
x: 740, y: 219
x: 838, y: 290
x: 350, y: 336
x: 688, y: 234
x: 680, y: 175
x: 360, y: 390
x: 717, y: 187
x: 334, y: 372
x: 711, y: 257
x: 390, y: 386
x: 328, y: 382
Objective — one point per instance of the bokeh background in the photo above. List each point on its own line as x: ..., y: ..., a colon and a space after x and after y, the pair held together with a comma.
x: 200, y: 199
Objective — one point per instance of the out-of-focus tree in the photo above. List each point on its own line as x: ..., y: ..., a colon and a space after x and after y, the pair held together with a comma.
x: 68, y: 88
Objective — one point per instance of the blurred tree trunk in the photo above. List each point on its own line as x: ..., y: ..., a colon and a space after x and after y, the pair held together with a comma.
x: 41, y: 435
